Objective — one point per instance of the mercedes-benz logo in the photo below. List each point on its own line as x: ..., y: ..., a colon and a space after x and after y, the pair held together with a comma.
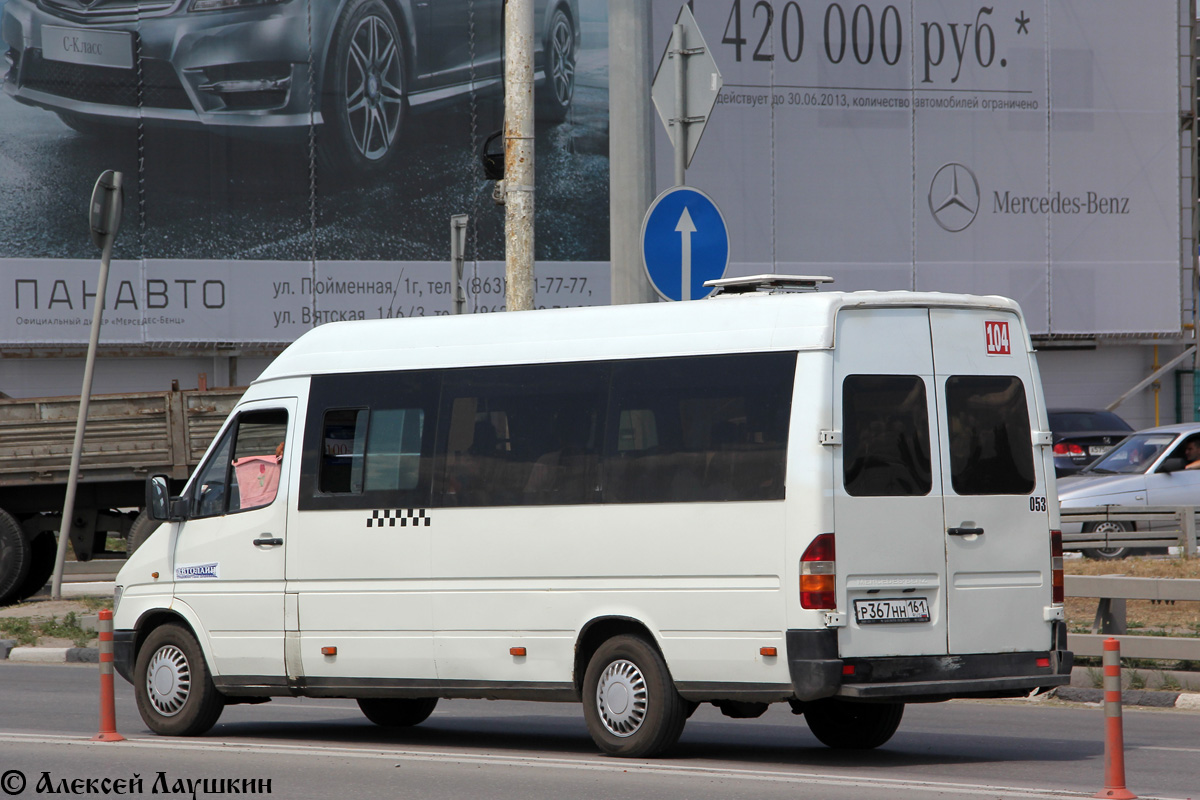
x: 954, y: 197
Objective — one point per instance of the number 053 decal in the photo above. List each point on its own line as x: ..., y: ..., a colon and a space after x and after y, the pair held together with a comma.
x: 1037, y: 504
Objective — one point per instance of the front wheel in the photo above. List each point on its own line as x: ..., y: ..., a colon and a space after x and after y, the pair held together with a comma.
x: 629, y: 701
x: 853, y: 726
x: 397, y: 712
x: 363, y: 103
x: 174, y: 689
x: 1107, y: 527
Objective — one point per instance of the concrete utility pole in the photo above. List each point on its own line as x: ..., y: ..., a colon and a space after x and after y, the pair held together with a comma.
x: 518, y: 154
x: 630, y: 146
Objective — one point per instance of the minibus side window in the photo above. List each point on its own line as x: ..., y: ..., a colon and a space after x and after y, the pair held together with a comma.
x: 522, y: 435
x: 699, y: 429
x: 885, y: 421
x: 991, y: 447
x: 368, y: 441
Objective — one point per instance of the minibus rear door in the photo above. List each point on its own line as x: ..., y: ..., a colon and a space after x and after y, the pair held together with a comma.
x: 994, y: 483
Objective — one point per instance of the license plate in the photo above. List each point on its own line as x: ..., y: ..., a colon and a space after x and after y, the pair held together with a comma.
x: 911, y: 609
x: 1098, y: 449
x: 94, y: 48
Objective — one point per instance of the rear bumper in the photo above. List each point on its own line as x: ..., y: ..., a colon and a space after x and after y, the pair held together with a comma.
x: 817, y: 672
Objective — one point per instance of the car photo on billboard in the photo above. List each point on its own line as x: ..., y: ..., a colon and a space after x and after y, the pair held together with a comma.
x: 241, y: 67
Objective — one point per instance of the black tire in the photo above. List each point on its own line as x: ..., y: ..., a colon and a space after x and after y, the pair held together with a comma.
x: 15, y: 558
x: 629, y: 701
x: 397, y: 712
x: 363, y: 101
x: 183, y: 700
x: 558, y: 89
x: 43, y: 550
x: 1107, y: 553
x: 852, y: 726
x: 140, y: 531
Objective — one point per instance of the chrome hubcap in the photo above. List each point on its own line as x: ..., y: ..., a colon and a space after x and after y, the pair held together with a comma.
x: 168, y: 680
x: 373, y: 93
x: 621, y: 698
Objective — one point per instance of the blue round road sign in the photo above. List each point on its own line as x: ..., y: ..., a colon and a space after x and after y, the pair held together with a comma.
x: 684, y: 243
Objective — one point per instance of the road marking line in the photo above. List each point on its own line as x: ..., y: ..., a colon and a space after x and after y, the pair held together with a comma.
x: 581, y: 764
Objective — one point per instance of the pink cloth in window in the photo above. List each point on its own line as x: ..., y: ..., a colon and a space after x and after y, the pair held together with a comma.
x: 257, y: 480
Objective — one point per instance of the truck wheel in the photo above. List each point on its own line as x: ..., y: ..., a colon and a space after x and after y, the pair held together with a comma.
x: 175, y: 692
x: 364, y: 103
x: 853, y: 726
x: 43, y: 549
x: 629, y: 701
x: 397, y: 712
x: 15, y: 558
x: 1107, y: 553
x: 140, y: 531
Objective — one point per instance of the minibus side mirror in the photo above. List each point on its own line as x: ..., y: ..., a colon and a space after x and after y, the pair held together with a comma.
x: 159, y: 503
x: 1173, y: 464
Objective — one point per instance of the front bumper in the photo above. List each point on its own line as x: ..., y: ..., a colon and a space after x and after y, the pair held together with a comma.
x: 818, y: 672
x: 123, y: 654
x: 236, y: 70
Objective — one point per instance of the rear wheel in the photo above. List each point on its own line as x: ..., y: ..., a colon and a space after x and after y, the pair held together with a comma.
x: 853, y: 726
x: 174, y: 689
x: 397, y: 712
x: 629, y: 701
x: 15, y: 558
x: 43, y: 550
x: 554, y: 96
x: 1106, y: 527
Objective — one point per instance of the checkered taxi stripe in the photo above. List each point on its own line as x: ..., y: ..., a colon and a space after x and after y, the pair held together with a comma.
x: 390, y: 518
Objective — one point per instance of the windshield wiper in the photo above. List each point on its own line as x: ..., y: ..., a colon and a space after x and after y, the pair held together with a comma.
x: 1099, y: 471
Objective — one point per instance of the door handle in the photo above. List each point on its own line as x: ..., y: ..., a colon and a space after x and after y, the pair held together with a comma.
x: 268, y: 542
x: 965, y: 531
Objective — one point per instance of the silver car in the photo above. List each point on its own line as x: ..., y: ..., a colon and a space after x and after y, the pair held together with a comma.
x: 242, y: 67
x: 1147, y: 468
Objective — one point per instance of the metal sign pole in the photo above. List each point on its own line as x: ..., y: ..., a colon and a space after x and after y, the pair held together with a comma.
x: 678, y: 52
x: 458, y: 242
x: 104, y: 214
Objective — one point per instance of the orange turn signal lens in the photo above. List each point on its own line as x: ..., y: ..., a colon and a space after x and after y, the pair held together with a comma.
x: 516, y: 651
x: 329, y: 651
x: 769, y: 652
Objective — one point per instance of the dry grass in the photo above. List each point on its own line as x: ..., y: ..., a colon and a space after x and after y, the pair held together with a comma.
x: 1143, y: 616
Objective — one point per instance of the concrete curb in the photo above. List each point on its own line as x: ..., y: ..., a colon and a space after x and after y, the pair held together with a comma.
x: 50, y: 655
x: 1131, y: 697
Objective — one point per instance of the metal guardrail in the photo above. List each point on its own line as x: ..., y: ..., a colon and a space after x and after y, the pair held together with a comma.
x: 1112, y: 592
x: 1159, y: 526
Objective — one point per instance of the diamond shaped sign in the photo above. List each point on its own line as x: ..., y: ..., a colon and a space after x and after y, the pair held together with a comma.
x: 702, y: 83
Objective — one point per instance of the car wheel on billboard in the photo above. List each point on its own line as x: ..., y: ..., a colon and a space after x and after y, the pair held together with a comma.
x: 554, y: 97
x: 364, y: 91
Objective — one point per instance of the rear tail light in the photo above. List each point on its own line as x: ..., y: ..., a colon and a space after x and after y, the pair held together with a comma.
x: 1065, y: 449
x: 818, y: 574
x: 1056, y: 567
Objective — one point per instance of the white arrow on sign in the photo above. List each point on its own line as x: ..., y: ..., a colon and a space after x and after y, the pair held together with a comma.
x: 685, y: 228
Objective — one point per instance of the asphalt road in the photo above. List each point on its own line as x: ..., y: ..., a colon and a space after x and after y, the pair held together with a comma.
x: 321, y: 748
x: 206, y: 197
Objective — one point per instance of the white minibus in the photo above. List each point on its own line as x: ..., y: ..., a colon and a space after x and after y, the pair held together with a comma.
x: 841, y: 501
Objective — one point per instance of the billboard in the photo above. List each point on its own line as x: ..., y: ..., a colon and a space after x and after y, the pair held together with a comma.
x: 1031, y: 150
x: 286, y: 163
x: 293, y: 163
